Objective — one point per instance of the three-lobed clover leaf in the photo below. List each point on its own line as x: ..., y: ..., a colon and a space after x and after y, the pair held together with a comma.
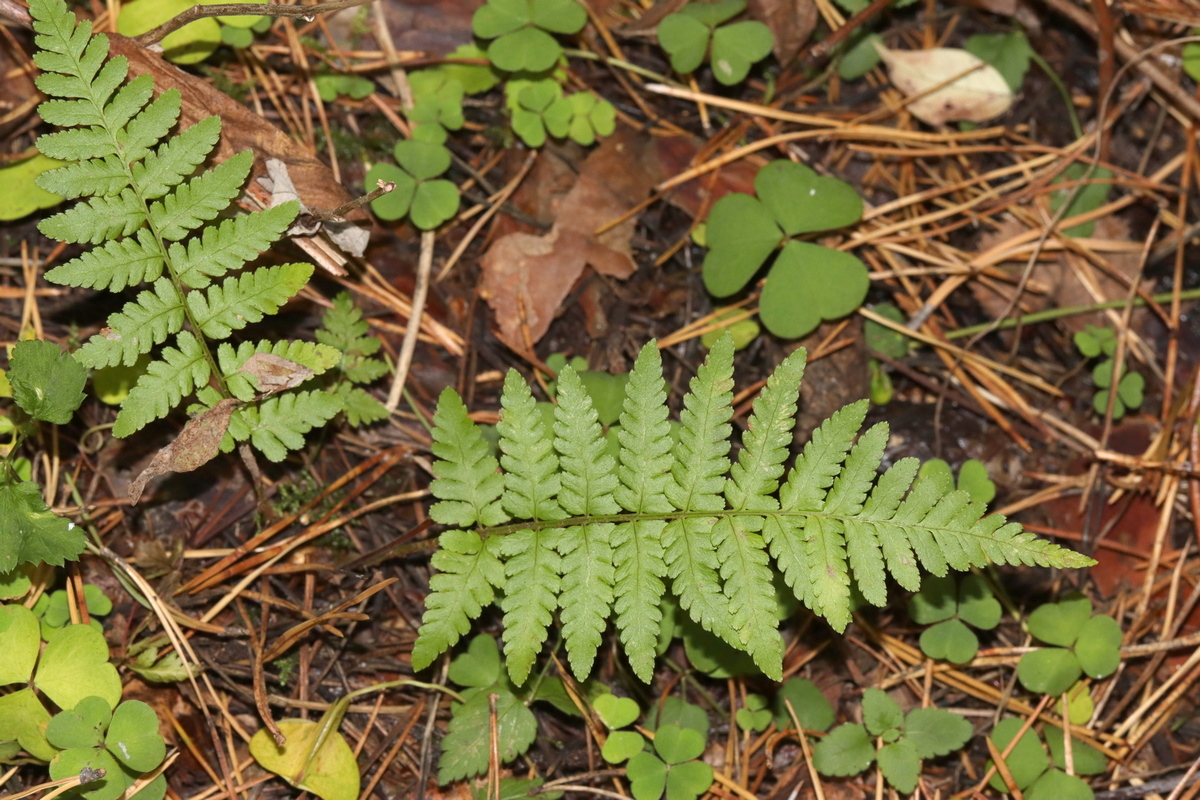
x: 539, y: 109
x: 686, y: 36
x: 672, y: 767
x: 520, y: 30
x: 618, y: 712
x: 356, y: 87
x: 427, y: 200
x: 1039, y: 774
x: 972, y: 477
x: 949, y: 610
x: 755, y: 716
x: 807, y: 283
x: 437, y: 105
x: 908, y: 739
x: 1083, y: 644
x: 1130, y: 389
x: 125, y: 743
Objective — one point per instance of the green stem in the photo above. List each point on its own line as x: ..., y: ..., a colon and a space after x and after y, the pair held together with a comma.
x: 1062, y: 90
x: 1067, y: 311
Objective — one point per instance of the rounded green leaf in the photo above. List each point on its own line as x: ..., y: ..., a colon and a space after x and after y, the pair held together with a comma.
x: 950, y: 641
x: 812, y: 708
x: 938, y: 598
x: 190, y: 44
x: 1099, y: 646
x: 499, y: 17
x: 750, y: 720
x: 133, y: 737
x: 622, y: 746
x: 1060, y: 623
x: 1102, y: 373
x: 331, y: 773
x: 883, y: 339
x: 976, y: 603
x: 154, y: 790
x: 712, y: 14
x: 559, y: 16
x: 558, y: 118
x: 973, y: 479
x: 479, y: 666
x: 395, y: 204
x: 1080, y: 705
x: 736, y: 47
x: 1131, y: 389
x: 808, y: 284
x: 74, y: 665
x: 434, y: 203
x: 936, y: 731
x: 802, y: 201
x: 685, y: 39
x: 23, y: 719
x: 529, y: 126
x: 617, y: 712
x: 524, y: 50
x: 20, y: 640
x: 422, y: 160
x: 676, y: 744
x: 70, y: 763
x: 741, y: 234
x: 22, y: 193
x: 847, y: 750
x: 1026, y: 762
x: 880, y: 712
x: 1087, y: 759
x: 14, y: 583
x: 538, y: 96
x: 603, y: 118
x: 1051, y: 670
x: 1058, y: 785
x: 900, y: 765
x: 688, y: 781
x: 647, y: 776
x: 81, y: 726
x: 97, y: 601
x: 860, y: 58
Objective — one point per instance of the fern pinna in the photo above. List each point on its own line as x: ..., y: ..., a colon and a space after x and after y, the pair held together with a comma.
x: 559, y: 524
x: 153, y: 220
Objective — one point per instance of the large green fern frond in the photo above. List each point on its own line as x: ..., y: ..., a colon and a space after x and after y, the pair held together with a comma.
x: 592, y: 529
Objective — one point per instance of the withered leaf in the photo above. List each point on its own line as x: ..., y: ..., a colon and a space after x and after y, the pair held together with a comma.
x: 196, y: 445
x: 275, y: 373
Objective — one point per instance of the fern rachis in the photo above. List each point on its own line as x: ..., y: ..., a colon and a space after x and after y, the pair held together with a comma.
x: 154, y: 220
x: 555, y: 510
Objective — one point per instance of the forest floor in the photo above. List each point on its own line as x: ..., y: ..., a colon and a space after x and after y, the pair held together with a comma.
x: 591, y: 250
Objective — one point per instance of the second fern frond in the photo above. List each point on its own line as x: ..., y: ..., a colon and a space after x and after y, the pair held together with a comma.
x: 557, y: 525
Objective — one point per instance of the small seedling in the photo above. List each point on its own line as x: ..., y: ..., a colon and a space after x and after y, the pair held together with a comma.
x: 1094, y: 342
x: 672, y: 768
x: 1083, y: 644
x: 949, y: 611
x: 356, y: 87
x: 907, y: 740
x: 755, y: 716
x: 687, y: 36
x: 1087, y: 198
x: 1008, y: 52
x: 972, y: 478
x: 420, y: 194
x: 808, y: 283
x: 1039, y: 775
x: 521, y: 30
x: 539, y: 109
x: 55, y: 613
x: 124, y: 742
x: 344, y: 329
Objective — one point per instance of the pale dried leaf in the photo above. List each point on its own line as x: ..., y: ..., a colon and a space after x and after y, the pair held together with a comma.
x: 196, y: 445
x: 980, y: 94
x: 275, y: 373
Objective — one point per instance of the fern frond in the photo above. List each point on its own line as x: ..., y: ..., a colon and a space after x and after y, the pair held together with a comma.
x: 468, y: 572
x: 279, y: 423
x: 699, y: 480
x: 531, y: 482
x: 317, y: 357
x: 106, y: 176
x: 164, y: 385
x: 466, y: 477
x: 176, y: 159
x: 750, y: 487
x: 847, y: 498
x: 140, y: 325
x: 360, y: 406
x: 588, y: 481
x: 644, y: 470
x: 149, y: 127
x: 117, y: 264
x: 247, y: 298
x: 202, y: 199
x: 230, y: 244
x: 343, y: 327
x: 96, y: 220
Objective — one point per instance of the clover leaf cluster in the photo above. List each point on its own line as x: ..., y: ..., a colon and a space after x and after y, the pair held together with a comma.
x: 670, y: 762
x: 1039, y: 768
x: 1094, y: 342
x: 949, y: 611
x: 699, y: 30
x: 121, y: 744
x: 807, y: 283
x: 1083, y: 643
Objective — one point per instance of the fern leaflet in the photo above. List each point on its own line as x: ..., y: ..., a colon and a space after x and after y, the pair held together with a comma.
x: 587, y: 529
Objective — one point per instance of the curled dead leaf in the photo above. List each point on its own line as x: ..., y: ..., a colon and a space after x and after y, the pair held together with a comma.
x: 275, y: 373
x: 196, y: 445
x: 978, y: 94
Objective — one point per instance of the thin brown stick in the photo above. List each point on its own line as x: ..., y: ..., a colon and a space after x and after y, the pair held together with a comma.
x: 155, y: 35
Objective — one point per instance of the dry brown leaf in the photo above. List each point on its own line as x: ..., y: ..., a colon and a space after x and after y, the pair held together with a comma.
x: 791, y: 22
x: 275, y: 373
x: 526, y: 277
x: 979, y: 95
x: 241, y: 128
x: 196, y: 445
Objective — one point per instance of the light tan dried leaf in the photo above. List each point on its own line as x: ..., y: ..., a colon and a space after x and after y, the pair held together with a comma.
x: 196, y: 445
x: 275, y: 373
x: 980, y: 94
